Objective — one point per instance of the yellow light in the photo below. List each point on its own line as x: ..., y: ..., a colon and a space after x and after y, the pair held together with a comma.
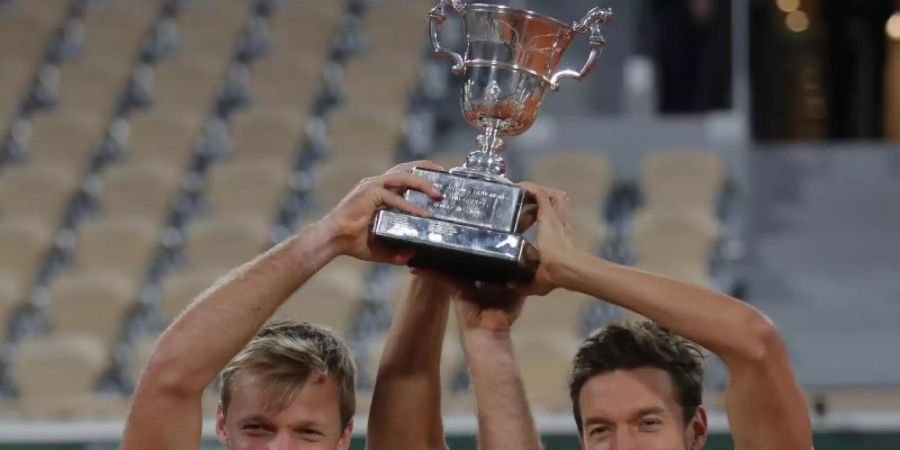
x: 797, y: 21
x: 788, y: 5
x: 892, y: 27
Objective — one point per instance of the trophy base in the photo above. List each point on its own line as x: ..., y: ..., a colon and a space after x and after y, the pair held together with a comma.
x: 472, y: 252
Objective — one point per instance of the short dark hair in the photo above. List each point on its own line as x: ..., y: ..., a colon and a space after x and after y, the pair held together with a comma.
x: 287, y: 353
x: 635, y: 344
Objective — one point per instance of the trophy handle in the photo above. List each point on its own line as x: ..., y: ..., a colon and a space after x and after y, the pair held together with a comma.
x: 590, y: 23
x: 438, y: 15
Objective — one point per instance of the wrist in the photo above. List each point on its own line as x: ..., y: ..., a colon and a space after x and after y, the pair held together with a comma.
x: 485, y: 336
x: 564, y: 272
x: 334, y: 236
x: 318, y: 244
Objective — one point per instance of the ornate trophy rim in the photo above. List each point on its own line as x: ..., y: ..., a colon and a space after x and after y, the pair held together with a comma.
x: 525, y: 12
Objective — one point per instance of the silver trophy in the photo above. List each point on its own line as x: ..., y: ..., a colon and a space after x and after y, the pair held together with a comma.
x: 510, y: 60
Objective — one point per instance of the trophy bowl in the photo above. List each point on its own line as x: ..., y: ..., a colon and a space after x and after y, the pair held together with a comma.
x: 510, y: 60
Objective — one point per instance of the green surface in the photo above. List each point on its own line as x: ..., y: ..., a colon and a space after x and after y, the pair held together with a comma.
x: 830, y: 441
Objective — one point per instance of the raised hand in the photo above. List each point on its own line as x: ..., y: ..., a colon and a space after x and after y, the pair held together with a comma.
x: 554, y: 237
x: 480, y: 307
x: 351, y: 220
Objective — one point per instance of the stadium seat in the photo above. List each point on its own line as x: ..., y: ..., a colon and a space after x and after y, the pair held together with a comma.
x: 59, y: 365
x: 11, y: 296
x: 209, y: 29
x: 545, y: 360
x: 138, y: 190
x: 381, y: 84
x: 15, y: 76
x: 270, y: 135
x: 451, y: 355
x: 67, y: 139
x: 23, y: 38
x: 305, y: 28
x: 91, y: 302
x: 37, y: 192
x: 46, y: 12
x: 284, y: 82
x: 559, y: 311
x: 359, y: 133
x: 337, y: 177
x: 164, y: 138
x: 115, y: 29
x: 689, y: 236
x: 140, y: 356
x: 124, y: 246
x: 678, y: 178
x: 586, y: 177
x: 24, y: 243
x: 330, y: 297
x: 90, y: 84
x: 187, y: 85
x: 397, y: 28
x: 56, y: 376
x: 251, y: 188
x: 226, y: 242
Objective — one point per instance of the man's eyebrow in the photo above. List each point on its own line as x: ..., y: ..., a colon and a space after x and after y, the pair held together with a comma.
x: 596, y: 421
x: 254, y: 418
x: 649, y: 410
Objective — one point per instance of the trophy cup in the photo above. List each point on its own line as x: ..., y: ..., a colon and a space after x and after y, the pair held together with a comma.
x: 510, y: 59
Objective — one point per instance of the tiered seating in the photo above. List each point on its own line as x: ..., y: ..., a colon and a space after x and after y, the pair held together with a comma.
x: 151, y: 148
x: 675, y: 231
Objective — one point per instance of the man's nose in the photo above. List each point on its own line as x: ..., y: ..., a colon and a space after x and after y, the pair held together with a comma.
x: 282, y: 441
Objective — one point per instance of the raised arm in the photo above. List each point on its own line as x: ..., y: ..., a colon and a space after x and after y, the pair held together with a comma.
x: 406, y: 403
x: 765, y: 404
x: 485, y: 316
x: 166, y: 411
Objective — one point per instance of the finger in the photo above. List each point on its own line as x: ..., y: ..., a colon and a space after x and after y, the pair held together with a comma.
x: 394, y: 200
x: 561, y: 205
x: 406, y: 180
x: 402, y: 257
x: 527, y: 216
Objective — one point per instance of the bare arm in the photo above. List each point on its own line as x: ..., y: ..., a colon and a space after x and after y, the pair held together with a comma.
x: 766, y: 407
x: 504, y: 419
x: 406, y: 404
x: 166, y: 411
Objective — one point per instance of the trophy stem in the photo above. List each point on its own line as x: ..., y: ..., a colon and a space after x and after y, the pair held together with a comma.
x: 486, y: 162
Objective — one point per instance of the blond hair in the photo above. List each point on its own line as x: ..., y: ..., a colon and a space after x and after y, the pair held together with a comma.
x: 285, y: 354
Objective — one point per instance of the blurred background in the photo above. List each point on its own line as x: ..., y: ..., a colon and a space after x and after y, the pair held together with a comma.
x: 147, y: 146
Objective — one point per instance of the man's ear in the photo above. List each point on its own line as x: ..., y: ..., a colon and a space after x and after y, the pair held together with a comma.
x: 346, y: 436
x: 698, y: 430
x: 221, y: 434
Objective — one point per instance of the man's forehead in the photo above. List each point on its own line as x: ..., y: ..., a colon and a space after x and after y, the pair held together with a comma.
x: 628, y: 391
x: 257, y: 393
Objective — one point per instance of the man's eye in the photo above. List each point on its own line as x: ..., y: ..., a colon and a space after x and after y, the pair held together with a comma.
x: 597, y: 431
x: 310, y: 435
x: 651, y: 424
x: 256, y: 428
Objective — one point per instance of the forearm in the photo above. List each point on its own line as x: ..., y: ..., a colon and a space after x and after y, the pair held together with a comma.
x: 406, y: 408
x: 214, y: 328
x: 504, y: 418
x: 728, y: 327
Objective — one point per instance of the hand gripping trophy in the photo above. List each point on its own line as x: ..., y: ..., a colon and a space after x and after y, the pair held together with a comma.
x: 510, y: 59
